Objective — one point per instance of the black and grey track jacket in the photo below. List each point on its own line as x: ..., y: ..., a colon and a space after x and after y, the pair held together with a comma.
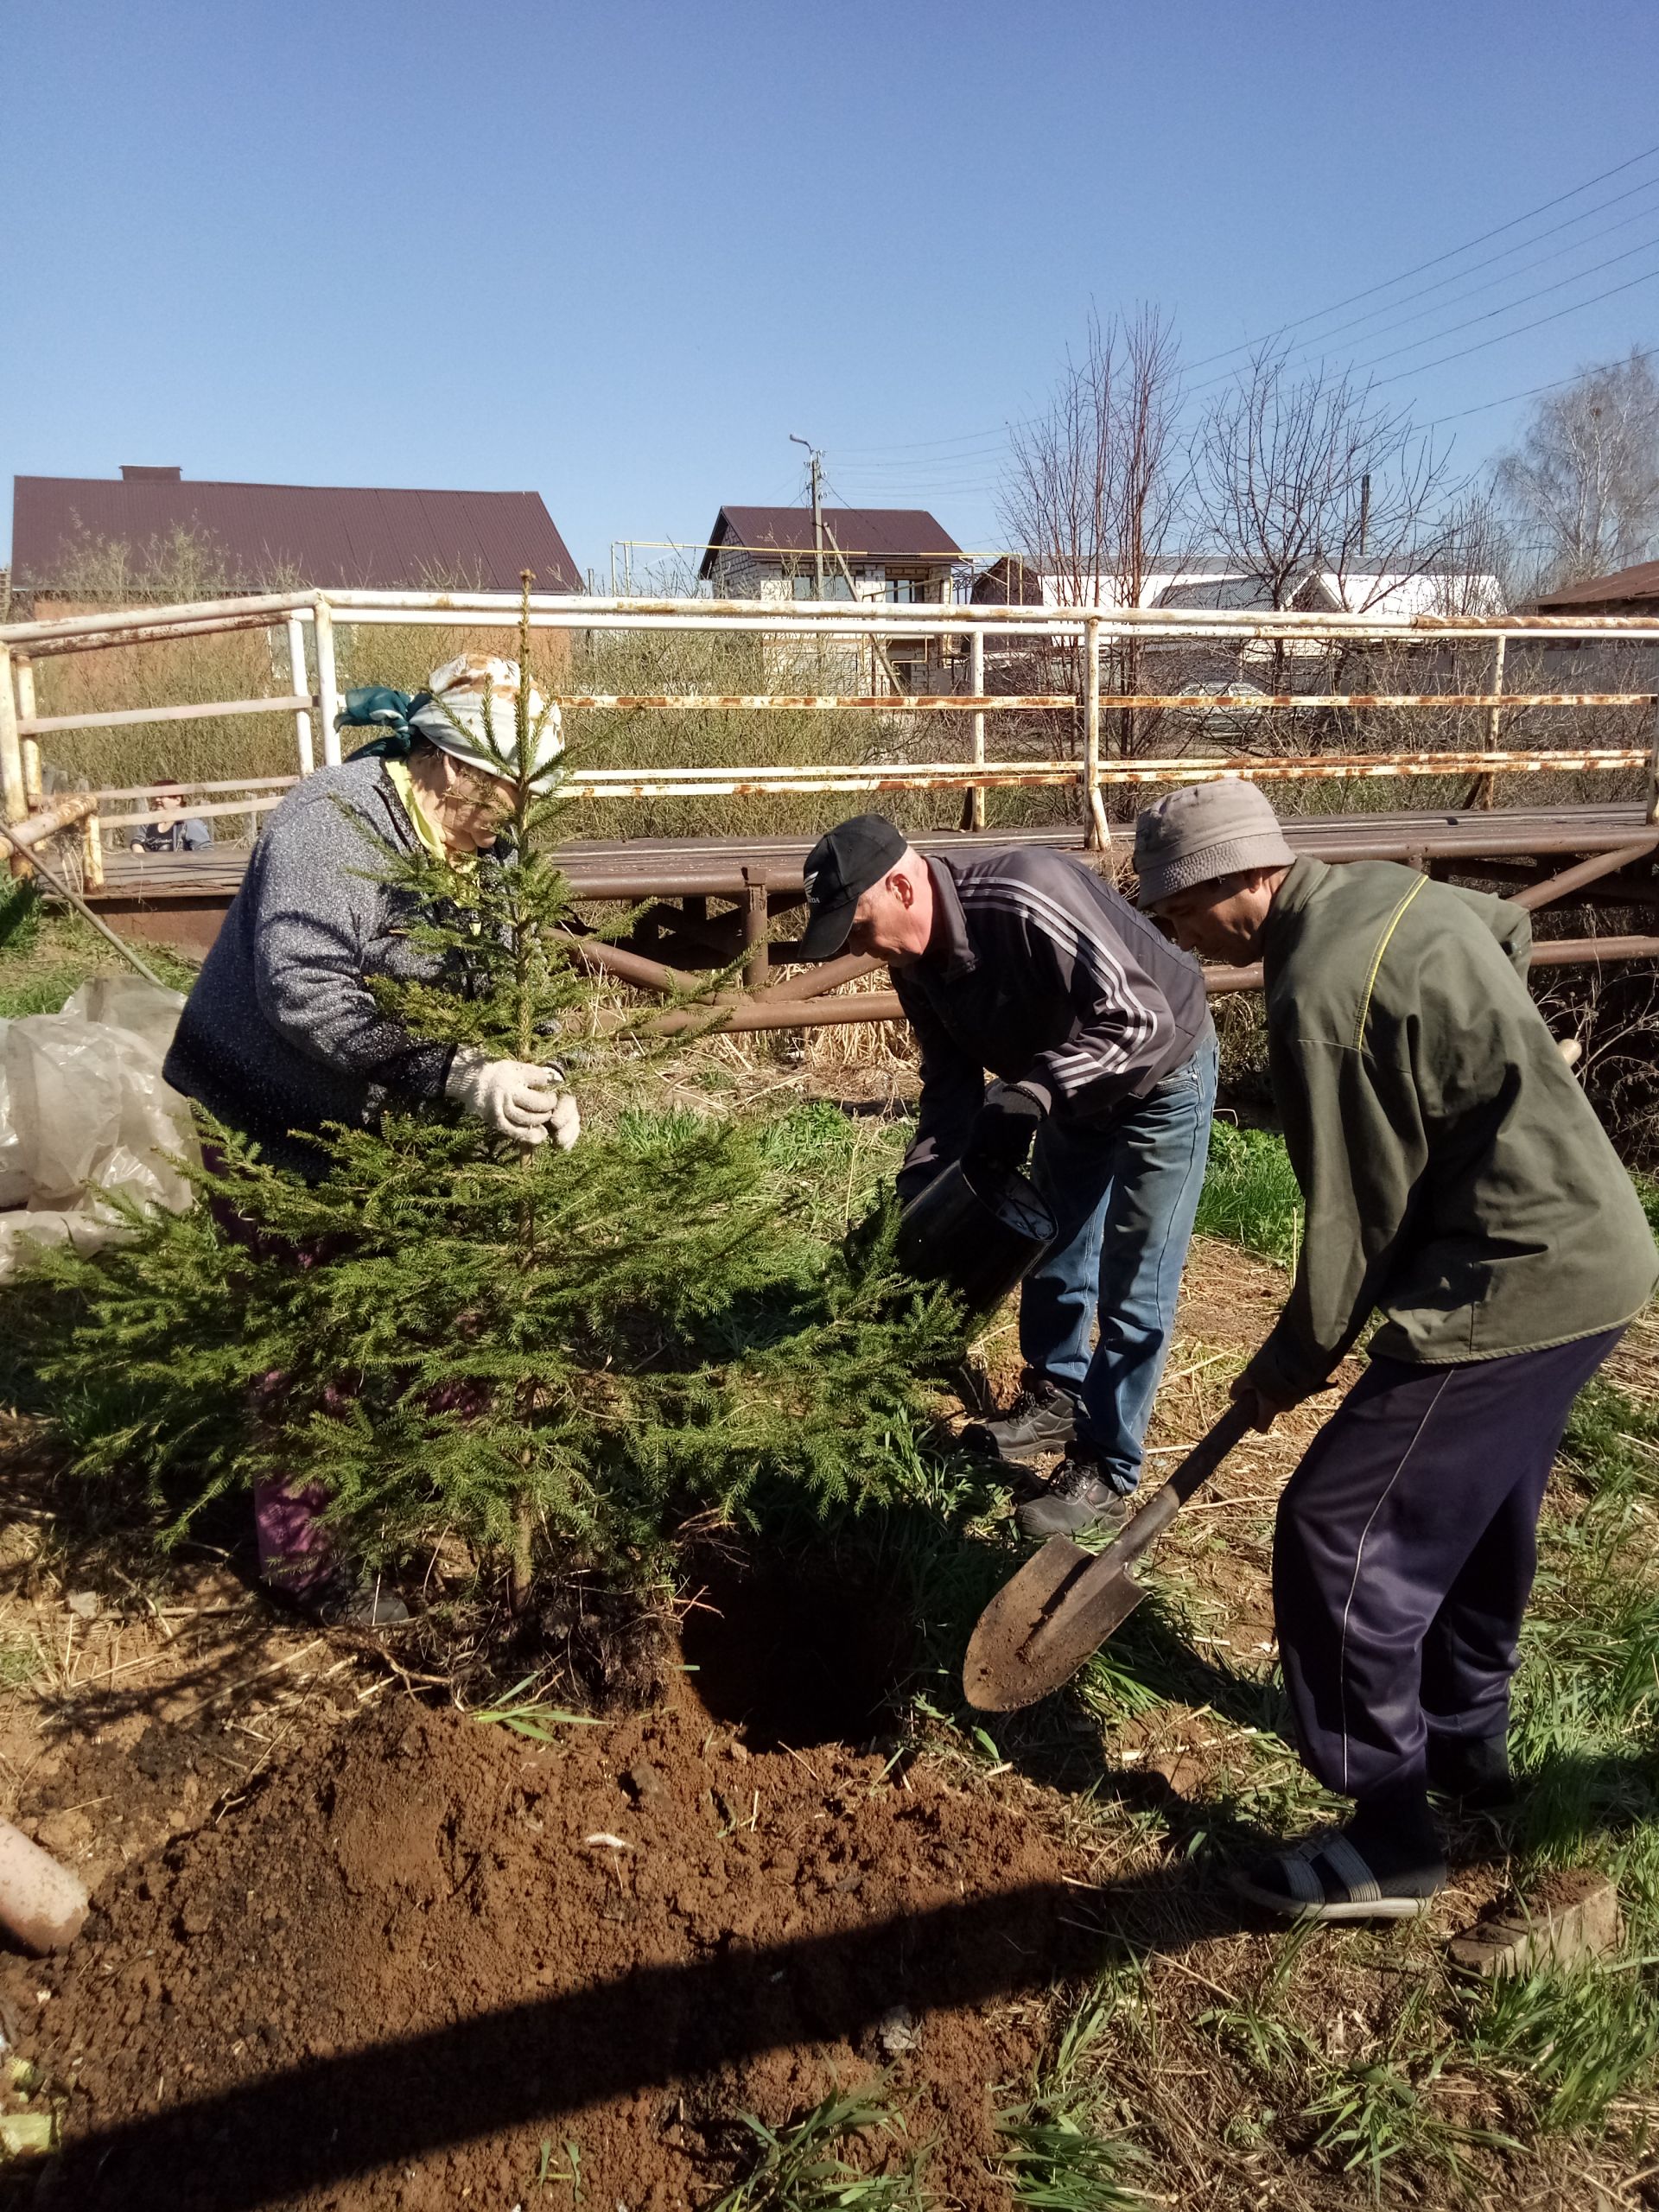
x: 1042, y: 972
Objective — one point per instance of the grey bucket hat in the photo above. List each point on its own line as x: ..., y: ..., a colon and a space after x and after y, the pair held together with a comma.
x: 1205, y: 831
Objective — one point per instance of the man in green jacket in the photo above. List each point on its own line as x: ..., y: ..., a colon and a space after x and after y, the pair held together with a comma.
x: 1457, y: 1181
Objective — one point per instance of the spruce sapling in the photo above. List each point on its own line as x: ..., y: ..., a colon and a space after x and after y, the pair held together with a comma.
x: 554, y: 1354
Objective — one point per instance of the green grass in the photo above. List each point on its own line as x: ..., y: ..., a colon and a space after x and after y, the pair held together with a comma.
x: 1647, y: 1189
x: 1057, y: 2154
x: 1568, y: 2043
x: 20, y: 1661
x: 526, y: 1712
x: 802, y: 2168
x: 1250, y: 1194
x: 1370, y: 2116
x: 46, y: 954
x: 839, y: 1162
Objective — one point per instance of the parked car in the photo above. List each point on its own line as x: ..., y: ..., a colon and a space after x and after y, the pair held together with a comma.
x: 1235, y: 724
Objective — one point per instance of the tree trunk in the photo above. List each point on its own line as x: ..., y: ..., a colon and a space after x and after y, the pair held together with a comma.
x: 518, y: 1576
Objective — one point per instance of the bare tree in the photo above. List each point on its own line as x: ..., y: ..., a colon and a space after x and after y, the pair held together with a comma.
x: 1093, y: 496
x: 1299, y: 470
x: 1303, y: 474
x: 1477, y: 557
x: 1582, y: 487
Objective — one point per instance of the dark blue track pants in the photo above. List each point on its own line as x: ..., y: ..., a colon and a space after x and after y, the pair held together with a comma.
x: 1404, y: 1554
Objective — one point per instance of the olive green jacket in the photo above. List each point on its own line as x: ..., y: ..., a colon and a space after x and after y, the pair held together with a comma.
x: 1454, y: 1174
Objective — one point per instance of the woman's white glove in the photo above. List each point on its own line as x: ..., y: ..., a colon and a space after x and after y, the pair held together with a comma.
x: 514, y: 1098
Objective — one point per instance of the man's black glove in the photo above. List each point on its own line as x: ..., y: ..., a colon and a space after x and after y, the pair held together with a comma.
x: 1004, y: 1127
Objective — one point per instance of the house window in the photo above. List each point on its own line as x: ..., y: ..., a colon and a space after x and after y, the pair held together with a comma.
x: 906, y: 591
x: 834, y: 586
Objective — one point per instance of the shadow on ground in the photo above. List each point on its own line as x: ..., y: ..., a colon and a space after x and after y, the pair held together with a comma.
x: 280, y: 2135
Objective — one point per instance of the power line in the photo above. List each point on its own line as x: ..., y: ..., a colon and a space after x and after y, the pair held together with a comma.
x: 952, y: 459
x: 968, y: 437
x: 1435, y: 261
x: 1509, y: 307
x: 990, y: 440
x: 1434, y: 337
x: 1499, y: 337
x: 1641, y: 215
x: 1536, y: 390
x: 943, y: 479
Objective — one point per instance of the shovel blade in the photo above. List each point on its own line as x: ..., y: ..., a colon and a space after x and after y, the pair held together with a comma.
x: 1043, y: 1624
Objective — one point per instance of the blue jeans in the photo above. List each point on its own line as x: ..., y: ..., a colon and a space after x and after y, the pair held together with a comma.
x: 1124, y: 1190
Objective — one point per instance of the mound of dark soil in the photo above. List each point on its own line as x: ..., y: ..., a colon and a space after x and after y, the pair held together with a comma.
x: 429, y: 1956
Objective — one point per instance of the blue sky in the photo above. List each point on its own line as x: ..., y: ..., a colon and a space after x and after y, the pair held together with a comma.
x: 618, y: 253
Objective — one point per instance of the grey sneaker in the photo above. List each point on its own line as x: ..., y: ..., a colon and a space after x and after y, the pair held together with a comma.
x: 1080, y: 1497
x: 1043, y: 1418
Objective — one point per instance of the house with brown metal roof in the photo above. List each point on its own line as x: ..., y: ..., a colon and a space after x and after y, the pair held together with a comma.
x: 898, y: 554
x: 256, y: 535
x: 1626, y: 591
x: 892, y: 556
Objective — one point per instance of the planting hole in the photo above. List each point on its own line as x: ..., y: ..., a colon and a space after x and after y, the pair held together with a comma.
x: 795, y: 1656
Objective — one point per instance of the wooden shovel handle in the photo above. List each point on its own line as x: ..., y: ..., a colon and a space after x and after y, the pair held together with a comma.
x: 1200, y: 1463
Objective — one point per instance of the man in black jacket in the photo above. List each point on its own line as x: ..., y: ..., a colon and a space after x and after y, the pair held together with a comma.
x: 1027, y: 963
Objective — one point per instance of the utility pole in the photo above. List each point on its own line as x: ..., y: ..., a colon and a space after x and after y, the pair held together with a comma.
x: 1364, y: 511
x: 815, y: 462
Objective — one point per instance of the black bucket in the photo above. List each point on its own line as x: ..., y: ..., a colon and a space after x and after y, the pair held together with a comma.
x: 978, y: 1231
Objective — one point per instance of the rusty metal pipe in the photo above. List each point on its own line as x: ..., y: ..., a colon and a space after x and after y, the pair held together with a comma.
x: 298, y: 678
x: 601, y: 959
x: 198, y: 813
x: 1620, y: 890
x: 329, y: 702
x: 811, y: 702
x: 142, y: 632
x: 967, y: 703
x: 1588, y: 871
x: 850, y: 777
x: 227, y: 784
x: 884, y: 1005
x: 788, y: 1014
x: 813, y: 983
x: 1591, y: 951
x: 261, y: 609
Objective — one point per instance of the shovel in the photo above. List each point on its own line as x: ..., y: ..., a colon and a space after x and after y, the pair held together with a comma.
x: 1064, y: 1603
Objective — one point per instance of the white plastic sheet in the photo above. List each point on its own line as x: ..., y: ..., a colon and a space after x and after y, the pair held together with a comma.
x: 83, y: 1110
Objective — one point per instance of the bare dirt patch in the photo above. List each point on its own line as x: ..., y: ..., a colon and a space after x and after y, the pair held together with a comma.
x: 427, y: 1947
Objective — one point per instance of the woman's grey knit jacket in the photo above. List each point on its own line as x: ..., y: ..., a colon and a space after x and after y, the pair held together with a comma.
x: 282, y: 1033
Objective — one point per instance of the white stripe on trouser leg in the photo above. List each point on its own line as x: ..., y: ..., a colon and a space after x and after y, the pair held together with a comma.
x: 1359, y: 1555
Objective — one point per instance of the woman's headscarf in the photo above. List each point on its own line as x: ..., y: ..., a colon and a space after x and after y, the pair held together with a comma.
x: 468, y: 710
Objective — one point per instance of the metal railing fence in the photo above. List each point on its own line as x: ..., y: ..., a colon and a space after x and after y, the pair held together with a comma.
x: 308, y: 622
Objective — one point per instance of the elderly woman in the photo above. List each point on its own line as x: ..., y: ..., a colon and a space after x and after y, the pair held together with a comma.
x: 283, y: 1033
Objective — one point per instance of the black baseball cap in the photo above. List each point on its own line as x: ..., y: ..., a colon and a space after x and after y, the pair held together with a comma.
x: 840, y: 869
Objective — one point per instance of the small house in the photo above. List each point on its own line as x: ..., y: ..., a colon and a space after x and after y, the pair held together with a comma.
x: 894, y: 556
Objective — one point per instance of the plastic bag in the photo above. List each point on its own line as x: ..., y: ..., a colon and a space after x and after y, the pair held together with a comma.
x: 85, y: 1110
x: 14, y: 1176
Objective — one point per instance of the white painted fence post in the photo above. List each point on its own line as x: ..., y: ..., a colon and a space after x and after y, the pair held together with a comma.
x: 328, y: 699
x: 1095, y: 831
x: 24, y: 668
x: 298, y: 681
x: 976, y: 678
x: 13, y: 793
